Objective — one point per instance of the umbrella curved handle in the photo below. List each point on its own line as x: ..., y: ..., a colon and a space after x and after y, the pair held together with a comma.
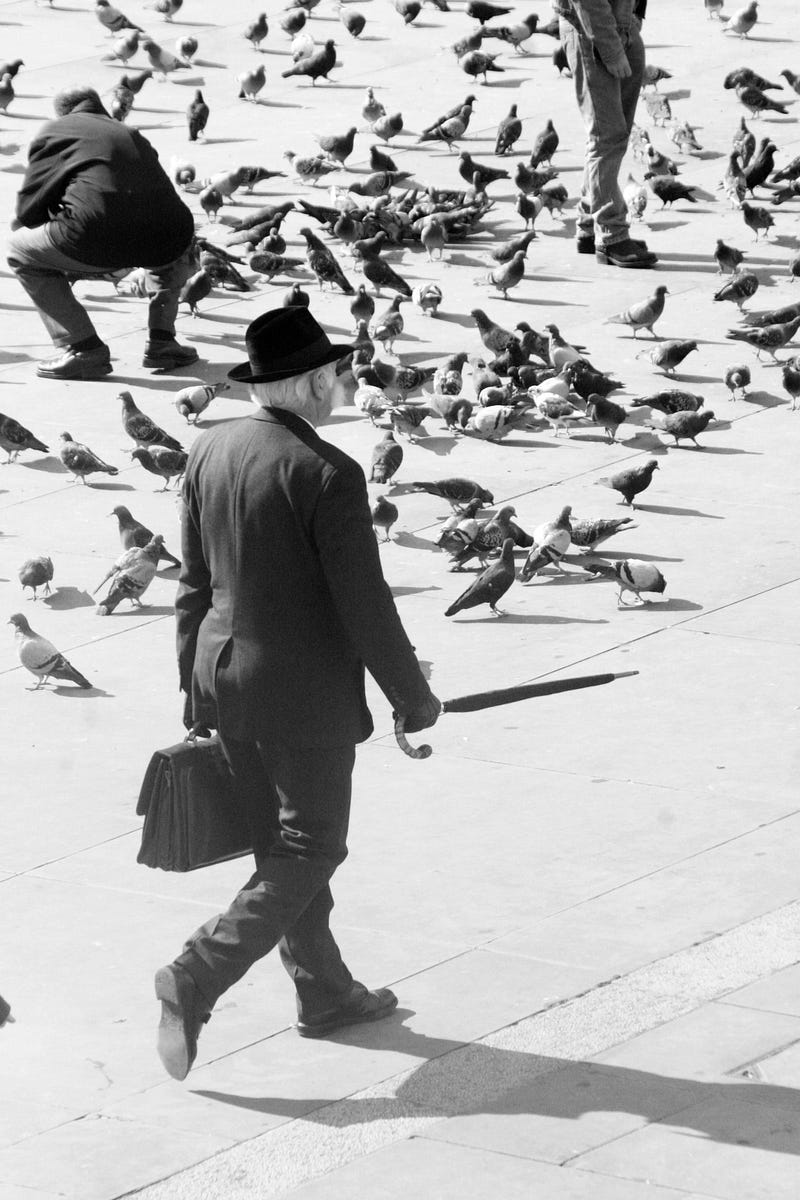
x: 423, y: 751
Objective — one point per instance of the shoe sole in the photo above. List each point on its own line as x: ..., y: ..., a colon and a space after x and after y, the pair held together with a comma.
x: 86, y: 375
x: 173, y: 1048
x: 167, y: 364
x: 637, y: 264
x: 318, y: 1031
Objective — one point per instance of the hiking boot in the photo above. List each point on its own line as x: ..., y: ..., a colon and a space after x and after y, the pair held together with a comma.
x: 626, y: 253
x: 76, y: 364
x: 165, y: 356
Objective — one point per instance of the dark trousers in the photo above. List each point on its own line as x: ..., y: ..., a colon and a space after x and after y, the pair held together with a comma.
x: 47, y: 274
x: 298, y: 806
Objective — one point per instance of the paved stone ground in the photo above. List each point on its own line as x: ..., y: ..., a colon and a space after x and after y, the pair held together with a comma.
x: 587, y: 904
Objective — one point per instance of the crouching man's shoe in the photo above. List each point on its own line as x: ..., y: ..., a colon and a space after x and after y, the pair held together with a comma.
x: 77, y: 364
x: 626, y: 253
x: 166, y: 356
x: 183, y: 1012
x: 357, y: 1008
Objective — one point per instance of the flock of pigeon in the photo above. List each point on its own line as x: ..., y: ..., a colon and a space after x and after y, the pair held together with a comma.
x: 359, y: 239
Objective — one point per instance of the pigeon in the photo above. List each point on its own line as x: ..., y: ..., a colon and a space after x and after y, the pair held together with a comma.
x: 197, y: 115
x: 606, y: 414
x: 384, y: 514
x: 382, y: 275
x: 635, y: 197
x: 515, y: 35
x: 530, y: 180
x: 583, y: 379
x: 41, y: 658
x: 761, y: 165
x: 449, y: 131
x: 196, y: 288
x: 488, y: 540
x: 112, y: 18
x: 757, y: 219
x: 337, y: 146
x: 632, y: 481
x: 468, y: 168
x: 459, y: 529
x: 557, y: 411
x: 734, y: 181
x: 684, y: 136
x: 269, y: 265
x: 433, y: 237
x: 643, y: 315
x: 528, y: 208
x: 670, y: 354
x: 354, y: 22
x: 770, y: 338
x: 482, y: 11
x: 407, y: 419
x: 792, y: 80
x: 727, y: 257
x: 386, y: 459
x: 324, y: 265
x: 35, y: 573
x: 506, y: 250
x: 632, y: 575
x: 457, y: 491
x: 141, y: 428
x: 714, y: 8
x: 251, y: 82
x: 775, y: 316
x: 737, y: 378
x: 683, y: 424
x: 744, y: 142
x: 477, y: 63
x: 257, y: 30
x: 670, y: 401
x: 550, y: 543
x: 310, y: 168
x: 317, y: 65
x: 493, y: 336
x: 363, y: 306
x: 14, y: 438
x: 163, y: 61
x: 740, y: 287
x: 131, y: 575
x: 493, y: 422
x: 388, y: 126
x: 653, y: 75
x: 427, y: 297
x: 292, y: 21
x: 457, y: 414
x: 167, y: 8
x: 757, y: 102
x: 378, y: 161
x: 490, y: 586
x: 211, y: 202
x: 121, y: 102
x: 507, y: 275
x: 187, y: 47
x: 158, y: 460
x: 80, y: 460
x: 559, y: 351
x: 743, y: 20
x: 5, y: 1012
x: 545, y: 145
x: 588, y: 533
x: 509, y: 131
x: 192, y: 401
x: 6, y: 92
x: 669, y: 189
x: 390, y: 324
x: 791, y: 381
x: 123, y: 49
x: 133, y: 534
x: 658, y: 108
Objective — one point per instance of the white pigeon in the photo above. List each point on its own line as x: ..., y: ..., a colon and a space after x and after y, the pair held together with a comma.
x: 192, y: 401
x: 40, y: 656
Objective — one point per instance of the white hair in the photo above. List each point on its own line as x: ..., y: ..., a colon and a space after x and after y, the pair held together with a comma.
x: 297, y: 392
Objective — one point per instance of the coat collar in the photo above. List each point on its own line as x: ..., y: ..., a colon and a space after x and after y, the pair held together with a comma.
x: 282, y: 416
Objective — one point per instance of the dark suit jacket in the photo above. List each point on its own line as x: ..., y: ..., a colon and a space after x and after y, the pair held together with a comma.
x: 282, y: 600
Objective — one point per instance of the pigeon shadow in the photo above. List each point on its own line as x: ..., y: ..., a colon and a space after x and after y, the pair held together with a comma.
x: 673, y: 511
x: 112, y: 487
x: 49, y: 464
x: 439, y: 445
x: 76, y: 693
x: 413, y: 591
x: 146, y: 610
x: 404, y: 538
x: 455, y: 319
x: 204, y: 62
x: 764, y: 399
x: 676, y: 605
x: 69, y: 597
x: 221, y: 141
x: 534, y: 619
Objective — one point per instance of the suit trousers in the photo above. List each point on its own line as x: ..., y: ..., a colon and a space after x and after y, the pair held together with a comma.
x: 297, y: 803
x: 47, y: 275
x: 608, y: 108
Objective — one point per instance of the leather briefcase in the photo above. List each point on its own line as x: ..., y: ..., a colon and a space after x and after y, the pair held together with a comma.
x: 188, y: 801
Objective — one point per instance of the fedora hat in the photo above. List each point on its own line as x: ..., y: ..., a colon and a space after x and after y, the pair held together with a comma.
x: 285, y: 342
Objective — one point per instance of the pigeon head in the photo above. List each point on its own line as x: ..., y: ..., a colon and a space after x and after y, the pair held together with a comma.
x: 506, y: 512
x: 126, y: 398
x: 19, y: 622
x: 65, y: 437
x: 121, y: 513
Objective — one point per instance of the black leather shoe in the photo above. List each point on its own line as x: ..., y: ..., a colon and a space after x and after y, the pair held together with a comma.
x: 585, y: 243
x: 76, y: 364
x: 183, y: 1013
x: 365, y: 1006
x: 626, y: 253
x: 166, y: 356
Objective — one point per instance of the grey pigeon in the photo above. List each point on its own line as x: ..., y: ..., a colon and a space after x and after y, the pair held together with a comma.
x: 40, y: 656
x: 384, y: 515
x: 490, y: 586
x: 131, y: 576
x: 141, y: 428
x: 134, y: 535
x: 684, y: 424
x: 643, y: 315
x: 80, y: 460
x: 158, y: 460
x: 14, y: 438
x: 36, y: 573
x: 632, y: 481
x: 386, y: 459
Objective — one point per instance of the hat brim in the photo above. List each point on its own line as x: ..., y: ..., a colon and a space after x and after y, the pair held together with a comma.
x: 243, y: 373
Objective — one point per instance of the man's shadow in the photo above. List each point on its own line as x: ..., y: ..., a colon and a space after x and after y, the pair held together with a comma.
x: 469, y: 1079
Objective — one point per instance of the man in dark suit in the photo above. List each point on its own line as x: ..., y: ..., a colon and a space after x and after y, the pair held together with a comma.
x: 281, y: 606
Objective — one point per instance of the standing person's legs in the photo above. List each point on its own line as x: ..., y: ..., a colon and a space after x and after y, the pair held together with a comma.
x: 305, y: 796
x: 164, y: 284
x: 47, y: 275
